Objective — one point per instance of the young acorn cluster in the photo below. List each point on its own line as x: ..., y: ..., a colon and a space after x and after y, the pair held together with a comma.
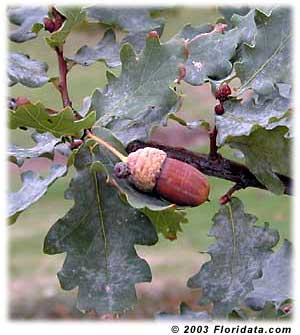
x: 150, y: 170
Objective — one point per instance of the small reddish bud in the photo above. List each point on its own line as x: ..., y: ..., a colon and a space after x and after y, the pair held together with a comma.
x: 171, y: 237
x: 219, y: 109
x: 220, y: 28
x: 58, y: 19
x: 20, y: 101
x: 223, y: 92
x: 152, y: 34
x: 287, y: 309
x: 49, y: 24
x: 58, y: 23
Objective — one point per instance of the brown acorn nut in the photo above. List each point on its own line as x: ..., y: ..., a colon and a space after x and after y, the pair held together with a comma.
x: 149, y: 169
x: 174, y: 180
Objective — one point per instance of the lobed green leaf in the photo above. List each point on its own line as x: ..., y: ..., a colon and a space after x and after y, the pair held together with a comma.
x: 141, y: 97
x: 211, y: 52
x: 33, y: 188
x: 26, y: 17
x: 268, y: 63
x: 45, y: 145
x: 98, y: 235
x: 106, y: 50
x: 35, y: 115
x: 237, y: 257
x: 275, y: 285
x: 26, y: 71
x: 128, y: 19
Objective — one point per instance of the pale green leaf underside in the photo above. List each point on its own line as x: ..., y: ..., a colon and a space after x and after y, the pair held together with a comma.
x: 167, y: 222
x: 60, y: 124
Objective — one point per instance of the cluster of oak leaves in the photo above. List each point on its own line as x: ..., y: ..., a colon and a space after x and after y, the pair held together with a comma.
x: 245, y: 277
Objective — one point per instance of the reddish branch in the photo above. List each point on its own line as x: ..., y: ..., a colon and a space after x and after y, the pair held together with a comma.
x: 63, y: 71
x: 221, y: 168
x: 53, y: 24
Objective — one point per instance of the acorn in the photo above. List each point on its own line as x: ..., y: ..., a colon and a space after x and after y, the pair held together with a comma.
x: 150, y: 170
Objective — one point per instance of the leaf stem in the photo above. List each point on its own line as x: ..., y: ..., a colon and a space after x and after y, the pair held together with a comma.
x: 122, y: 157
x: 228, y: 195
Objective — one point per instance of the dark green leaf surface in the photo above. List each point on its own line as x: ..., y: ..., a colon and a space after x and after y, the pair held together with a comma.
x: 98, y: 234
x: 25, y: 17
x: 275, y: 285
x: 37, y: 117
x: 268, y: 63
x: 210, y: 53
x: 106, y: 50
x: 185, y: 313
x: 73, y: 15
x: 141, y: 97
x: 26, y: 71
x: 45, y: 145
x: 236, y: 258
x: 129, y: 19
x: 34, y: 187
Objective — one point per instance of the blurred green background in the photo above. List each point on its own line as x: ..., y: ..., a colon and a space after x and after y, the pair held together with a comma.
x: 33, y: 286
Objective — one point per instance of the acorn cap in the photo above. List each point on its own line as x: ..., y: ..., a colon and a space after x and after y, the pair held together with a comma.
x: 144, y: 166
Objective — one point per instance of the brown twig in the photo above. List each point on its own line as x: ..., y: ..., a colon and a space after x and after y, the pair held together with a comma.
x: 213, y: 148
x: 222, y: 168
